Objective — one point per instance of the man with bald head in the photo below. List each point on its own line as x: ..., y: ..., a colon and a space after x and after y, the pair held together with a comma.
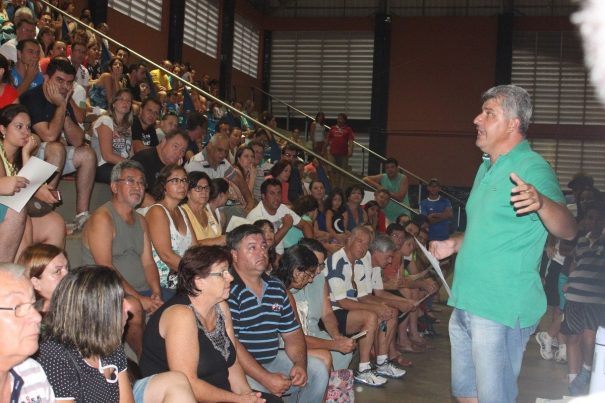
x: 21, y: 378
x: 213, y: 161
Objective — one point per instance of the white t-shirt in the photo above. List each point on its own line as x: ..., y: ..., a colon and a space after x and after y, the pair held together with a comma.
x: 259, y: 213
x: 121, y: 142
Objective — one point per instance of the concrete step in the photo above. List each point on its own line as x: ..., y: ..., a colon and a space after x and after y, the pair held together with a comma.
x: 101, y: 193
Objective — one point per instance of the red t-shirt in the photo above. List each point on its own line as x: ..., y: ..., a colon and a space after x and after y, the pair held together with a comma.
x: 339, y: 140
x: 8, y: 95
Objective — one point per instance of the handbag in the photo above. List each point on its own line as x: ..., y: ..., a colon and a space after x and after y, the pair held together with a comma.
x: 340, y: 387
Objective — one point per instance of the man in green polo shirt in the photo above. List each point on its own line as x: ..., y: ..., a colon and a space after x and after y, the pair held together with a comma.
x: 497, y: 293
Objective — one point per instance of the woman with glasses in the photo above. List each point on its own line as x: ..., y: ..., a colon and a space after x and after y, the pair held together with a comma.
x: 82, y: 352
x: 206, y: 228
x: 297, y: 268
x: 193, y: 332
x: 169, y: 227
x: 112, y: 138
x: 46, y: 265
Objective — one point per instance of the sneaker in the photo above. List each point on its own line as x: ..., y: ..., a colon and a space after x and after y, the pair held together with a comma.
x: 545, y: 342
x: 580, y: 385
x: 555, y: 343
x: 78, y: 223
x: 561, y: 354
x: 369, y: 377
x: 390, y: 370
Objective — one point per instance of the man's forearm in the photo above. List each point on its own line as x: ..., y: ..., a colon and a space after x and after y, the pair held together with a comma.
x: 557, y: 219
x: 296, y: 348
x: 249, y: 364
x: 55, y: 126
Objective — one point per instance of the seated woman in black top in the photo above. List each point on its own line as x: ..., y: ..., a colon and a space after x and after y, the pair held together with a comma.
x: 192, y: 333
x: 82, y: 353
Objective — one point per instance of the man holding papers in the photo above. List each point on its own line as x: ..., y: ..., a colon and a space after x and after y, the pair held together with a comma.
x: 497, y: 293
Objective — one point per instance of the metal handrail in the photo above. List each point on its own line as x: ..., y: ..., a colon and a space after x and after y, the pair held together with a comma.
x: 221, y: 102
x: 383, y: 158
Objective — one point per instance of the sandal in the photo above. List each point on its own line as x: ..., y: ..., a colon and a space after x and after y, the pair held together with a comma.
x: 401, y: 361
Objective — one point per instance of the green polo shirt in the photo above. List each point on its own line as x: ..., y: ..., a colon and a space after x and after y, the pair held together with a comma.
x: 497, y: 269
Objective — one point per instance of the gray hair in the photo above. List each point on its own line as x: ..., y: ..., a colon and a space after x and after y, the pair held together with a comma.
x: 515, y: 102
x: 382, y: 243
x: 217, y: 137
x: 116, y: 172
x: 15, y: 270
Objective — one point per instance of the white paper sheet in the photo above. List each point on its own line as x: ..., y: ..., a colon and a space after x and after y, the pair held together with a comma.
x: 435, y: 263
x: 37, y: 172
x: 236, y: 222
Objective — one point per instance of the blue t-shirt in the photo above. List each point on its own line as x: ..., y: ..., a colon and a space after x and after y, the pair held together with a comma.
x: 16, y: 79
x: 439, y: 230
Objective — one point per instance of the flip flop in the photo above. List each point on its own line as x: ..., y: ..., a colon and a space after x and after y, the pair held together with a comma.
x: 401, y: 361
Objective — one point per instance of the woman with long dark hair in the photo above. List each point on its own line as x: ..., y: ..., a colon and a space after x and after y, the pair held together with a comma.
x: 169, y: 227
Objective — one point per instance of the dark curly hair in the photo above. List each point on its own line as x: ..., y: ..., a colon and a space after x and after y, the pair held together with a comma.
x: 297, y: 257
x: 304, y: 204
x: 159, y: 187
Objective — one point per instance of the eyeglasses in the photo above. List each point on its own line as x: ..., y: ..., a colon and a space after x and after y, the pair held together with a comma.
x: 309, y: 275
x: 201, y: 188
x: 132, y: 182
x: 176, y: 181
x: 224, y: 274
x: 20, y: 310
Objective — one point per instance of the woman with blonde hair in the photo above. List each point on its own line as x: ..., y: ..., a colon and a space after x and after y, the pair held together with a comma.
x: 46, y: 265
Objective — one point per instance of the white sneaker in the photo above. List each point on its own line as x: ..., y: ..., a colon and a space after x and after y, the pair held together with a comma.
x: 390, y: 370
x: 561, y: 354
x: 78, y: 223
x: 369, y: 377
x: 545, y: 342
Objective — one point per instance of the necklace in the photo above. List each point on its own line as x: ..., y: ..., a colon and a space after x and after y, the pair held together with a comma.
x: 218, y: 337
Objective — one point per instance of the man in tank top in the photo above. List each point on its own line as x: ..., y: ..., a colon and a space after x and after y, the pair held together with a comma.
x: 116, y: 236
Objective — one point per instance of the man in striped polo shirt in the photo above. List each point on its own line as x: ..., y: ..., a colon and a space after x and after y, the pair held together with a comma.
x: 261, y: 314
x: 585, y: 299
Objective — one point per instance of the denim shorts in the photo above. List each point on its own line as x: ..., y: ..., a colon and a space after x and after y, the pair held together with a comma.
x: 139, y: 387
x: 486, y: 357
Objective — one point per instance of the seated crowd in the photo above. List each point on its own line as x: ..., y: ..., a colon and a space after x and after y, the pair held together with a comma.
x: 226, y: 260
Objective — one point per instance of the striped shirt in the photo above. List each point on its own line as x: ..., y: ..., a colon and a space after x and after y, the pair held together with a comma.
x: 29, y: 383
x: 257, y: 322
x: 586, y: 283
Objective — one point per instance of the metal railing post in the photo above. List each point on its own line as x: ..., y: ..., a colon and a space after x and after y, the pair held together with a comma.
x: 288, y: 119
x: 363, y: 162
x: 307, y: 130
